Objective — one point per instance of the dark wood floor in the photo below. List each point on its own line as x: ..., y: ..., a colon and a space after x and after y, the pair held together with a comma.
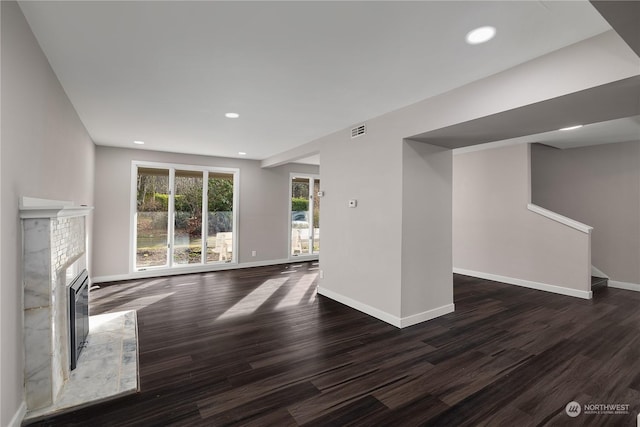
x: 257, y: 347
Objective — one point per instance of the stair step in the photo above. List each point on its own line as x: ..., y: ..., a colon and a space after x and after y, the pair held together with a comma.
x: 599, y: 282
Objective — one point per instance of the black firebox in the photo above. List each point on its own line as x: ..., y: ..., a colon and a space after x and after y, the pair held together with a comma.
x: 78, y: 315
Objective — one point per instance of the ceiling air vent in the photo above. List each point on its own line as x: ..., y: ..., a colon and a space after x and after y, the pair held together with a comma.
x: 358, y: 131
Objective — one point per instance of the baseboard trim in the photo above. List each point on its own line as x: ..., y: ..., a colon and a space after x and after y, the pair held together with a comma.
x: 357, y: 305
x: 624, y: 285
x: 526, y: 283
x: 383, y: 315
x: 17, y: 418
x: 414, y: 319
x: 146, y: 274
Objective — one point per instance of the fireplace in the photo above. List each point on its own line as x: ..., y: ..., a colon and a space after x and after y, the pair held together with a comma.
x: 78, y: 316
x: 54, y: 255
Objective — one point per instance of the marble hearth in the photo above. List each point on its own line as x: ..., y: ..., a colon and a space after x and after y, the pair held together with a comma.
x: 107, y: 368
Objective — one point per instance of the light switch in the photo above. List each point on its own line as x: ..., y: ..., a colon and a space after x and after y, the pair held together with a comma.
x: 353, y: 203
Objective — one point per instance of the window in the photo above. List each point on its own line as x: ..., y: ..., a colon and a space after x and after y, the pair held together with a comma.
x: 183, y: 215
x: 305, y: 215
x: 152, y: 217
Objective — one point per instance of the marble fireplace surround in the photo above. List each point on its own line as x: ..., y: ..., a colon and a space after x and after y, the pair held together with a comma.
x: 54, y: 253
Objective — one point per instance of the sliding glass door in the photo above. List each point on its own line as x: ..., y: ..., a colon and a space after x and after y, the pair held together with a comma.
x: 184, y: 215
x: 220, y: 222
x: 305, y: 215
x: 187, y: 217
x: 152, y: 217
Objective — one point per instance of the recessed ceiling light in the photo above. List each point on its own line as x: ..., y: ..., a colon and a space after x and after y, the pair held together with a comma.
x: 232, y: 115
x: 138, y: 142
x: 480, y: 35
x: 572, y: 127
x: 242, y: 153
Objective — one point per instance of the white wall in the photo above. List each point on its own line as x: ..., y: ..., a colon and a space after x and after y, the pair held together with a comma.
x: 390, y: 256
x: 263, y: 206
x: 427, y: 283
x: 495, y: 234
x: 46, y: 153
x: 361, y: 251
x: 598, y: 185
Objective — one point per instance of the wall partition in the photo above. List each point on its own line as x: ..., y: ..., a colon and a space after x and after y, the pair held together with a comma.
x: 183, y: 215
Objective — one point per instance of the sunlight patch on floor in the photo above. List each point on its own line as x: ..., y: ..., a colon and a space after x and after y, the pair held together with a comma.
x: 313, y: 296
x: 296, y: 294
x: 255, y: 299
x: 187, y: 284
x: 110, y: 292
x: 142, y: 302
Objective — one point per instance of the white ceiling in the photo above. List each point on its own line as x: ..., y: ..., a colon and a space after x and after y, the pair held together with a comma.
x: 612, y: 131
x: 166, y: 72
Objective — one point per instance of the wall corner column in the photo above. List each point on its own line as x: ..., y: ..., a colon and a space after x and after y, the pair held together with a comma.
x: 427, y: 260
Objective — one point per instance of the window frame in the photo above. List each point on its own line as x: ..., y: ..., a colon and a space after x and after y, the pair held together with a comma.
x: 172, y: 167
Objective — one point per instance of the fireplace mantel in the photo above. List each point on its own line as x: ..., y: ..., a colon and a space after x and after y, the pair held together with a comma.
x: 32, y: 207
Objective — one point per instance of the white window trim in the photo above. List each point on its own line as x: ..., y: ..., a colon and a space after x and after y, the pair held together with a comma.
x: 172, y: 167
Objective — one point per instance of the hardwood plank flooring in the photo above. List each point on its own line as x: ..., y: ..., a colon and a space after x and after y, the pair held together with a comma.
x: 258, y: 347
